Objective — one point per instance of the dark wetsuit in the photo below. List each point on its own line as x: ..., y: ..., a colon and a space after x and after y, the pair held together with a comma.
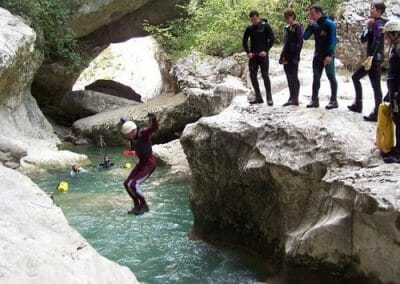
x: 146, y: 165
x: 262, y: 38
x: 375, y: 48
x: 106, y: 164
x: 324, y: 31
x: 393, y: 83
x: 291, y: 56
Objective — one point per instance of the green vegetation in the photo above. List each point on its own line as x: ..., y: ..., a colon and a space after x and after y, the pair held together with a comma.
x: 216, y: 27
x: 50, y: 18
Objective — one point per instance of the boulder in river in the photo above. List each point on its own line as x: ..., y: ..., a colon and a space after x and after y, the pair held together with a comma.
x: 114, y: 88
x: 81, y: 104
x: 296, y: 184
x: 173, y: 110
x: 171, y: 154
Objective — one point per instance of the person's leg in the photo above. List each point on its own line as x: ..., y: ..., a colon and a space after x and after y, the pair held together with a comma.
x: 318, y: 67
x: 264, y: 64
x: 129, y: 189
x: 296, y: 84
x: 146, y: 171
x: 253, y: 69
x: 358, y: 74
x: 331, y: 74
x: 375, y: 77
x: 291, y: 70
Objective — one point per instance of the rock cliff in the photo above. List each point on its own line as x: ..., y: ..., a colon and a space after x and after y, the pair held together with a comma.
x: 296, y: 184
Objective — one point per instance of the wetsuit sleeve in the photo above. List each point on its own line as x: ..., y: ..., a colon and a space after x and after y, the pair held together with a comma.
x: 331, y: 38
x: 377, y: 31
x: 285, y: 46
x: 146, y: 132
x: 311, y: 29
x: 270, y: 37
x: 245, y: 42
x: 299, y: 34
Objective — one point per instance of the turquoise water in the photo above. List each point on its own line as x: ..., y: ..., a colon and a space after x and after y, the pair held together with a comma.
x: 154, y: 246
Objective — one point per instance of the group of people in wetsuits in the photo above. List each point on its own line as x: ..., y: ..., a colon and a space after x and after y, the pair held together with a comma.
x: 261, y: 40
x: 323, y: 29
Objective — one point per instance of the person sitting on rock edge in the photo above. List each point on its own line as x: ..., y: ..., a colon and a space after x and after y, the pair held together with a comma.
x: 262, y: 39
x: 140, y: 142
x: 392, y: 34
x: 373, y: 65
x: 107, y: 163
x: 324, y: 30
x: 290, y: 56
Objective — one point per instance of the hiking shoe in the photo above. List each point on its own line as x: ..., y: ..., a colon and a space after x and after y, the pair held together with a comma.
x: 371, y: 117
x: 332, y: 105
x: 256, y: 102
x: 270, y: 102
x: 355, y: 108
x: 313, y: 104
x: 392, y: 159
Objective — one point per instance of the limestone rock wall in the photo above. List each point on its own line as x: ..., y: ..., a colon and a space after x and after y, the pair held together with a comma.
x: 296, y: 184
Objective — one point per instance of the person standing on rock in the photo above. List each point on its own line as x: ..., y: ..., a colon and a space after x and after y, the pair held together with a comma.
x: 140, y: 142
x: 262, y: 39
x: 372, y: 66
x: 290, y: 56
x: 324, y: 31
x: 392, y: 34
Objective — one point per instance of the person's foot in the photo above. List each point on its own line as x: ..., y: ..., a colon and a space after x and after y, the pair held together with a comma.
x: 355, y: 108
x: 313, y: 104
x: 392, y: 159
x: 332, y: 105
x: 134, y: 210
x: 270, y: 102
x: 141, y: 210
x: 373, y: 117
x: 256, y: 102
x: 288, y: 103
x: 386, y: 98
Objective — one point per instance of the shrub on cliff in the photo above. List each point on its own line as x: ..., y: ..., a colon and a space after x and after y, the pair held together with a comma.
x: 216, y: 27
x: 50, y: 18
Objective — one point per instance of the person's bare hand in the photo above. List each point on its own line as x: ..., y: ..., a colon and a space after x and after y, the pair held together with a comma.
x: 370, y: 22
x: 250, y: 55
x: 327, y: 60
x: 263, y: 54
x: 310, y: 22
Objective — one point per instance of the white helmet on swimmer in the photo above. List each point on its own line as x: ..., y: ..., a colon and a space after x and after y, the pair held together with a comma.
x: 392, y: 26
x: 128, y: 127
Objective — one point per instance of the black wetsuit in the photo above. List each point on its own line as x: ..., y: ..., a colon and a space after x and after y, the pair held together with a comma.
x: 262, y: 38
x: 375, y: 48
x: 290, y: 57
x: 393, y: 83
x: 106, y: 164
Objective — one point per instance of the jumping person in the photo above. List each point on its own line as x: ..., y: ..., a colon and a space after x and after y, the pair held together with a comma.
x: 324, y: 30
x: 373, y: 65
x: 140, y: 141
x: 290, y: 56
x: 392, y: 34
x: 261, y: 40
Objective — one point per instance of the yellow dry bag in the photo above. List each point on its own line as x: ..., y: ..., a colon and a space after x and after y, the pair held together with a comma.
x: 385, y: 130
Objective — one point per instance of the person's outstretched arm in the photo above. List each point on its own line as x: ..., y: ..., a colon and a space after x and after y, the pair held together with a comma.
x: 146, y: 132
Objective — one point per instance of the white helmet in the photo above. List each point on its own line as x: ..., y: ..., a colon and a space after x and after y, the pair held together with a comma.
x: 392, y: 26
x: 128, y: 127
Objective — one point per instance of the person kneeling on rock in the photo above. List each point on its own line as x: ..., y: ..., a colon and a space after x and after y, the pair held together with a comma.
x: 392, y: 34
x: 140, y: 142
